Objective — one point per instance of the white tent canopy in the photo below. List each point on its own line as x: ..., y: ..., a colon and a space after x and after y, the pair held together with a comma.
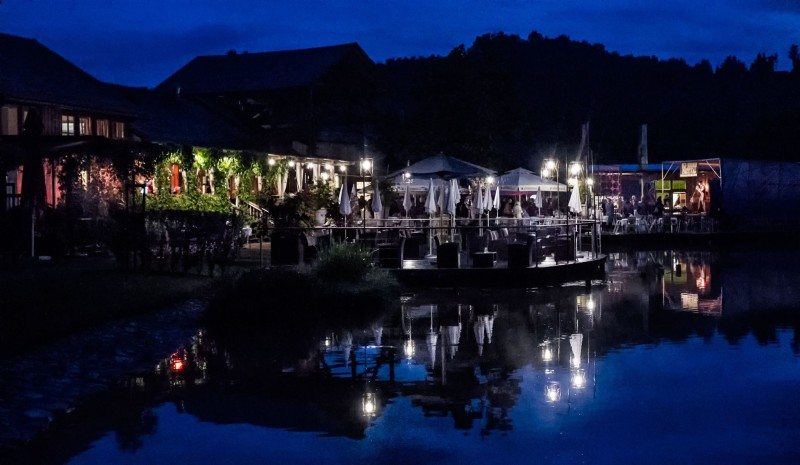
x: 520, y: 180
x: 443, y: 166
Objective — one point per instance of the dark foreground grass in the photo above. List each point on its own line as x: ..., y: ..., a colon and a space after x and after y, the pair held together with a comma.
x: 40, y: 302
x: 270, y: 316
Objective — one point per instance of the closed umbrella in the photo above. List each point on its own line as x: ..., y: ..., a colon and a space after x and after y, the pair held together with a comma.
x: 430, y: 209
x: 377, y: 205
x: 345, y: 209
x: 430, y: 202
x: 407, y: 201
x: 452, y: 198
x: 539, y: 200
x: 575, y: 200
x: 487, y: 199
x: 496, y: 203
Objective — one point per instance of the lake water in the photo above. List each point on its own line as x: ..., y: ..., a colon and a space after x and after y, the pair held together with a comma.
x: 680, y: 357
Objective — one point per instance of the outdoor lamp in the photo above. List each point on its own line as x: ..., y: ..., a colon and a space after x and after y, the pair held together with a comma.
x: 366, y: 165
x: 291, y: 163
x: 407, y: 177
x: 271, y: 161
x: 489, y: 179
x: 342, y: 168
x: 590, y: 305
x: 328, y: 166
x: 552, y: 391
x: 310, y: 165
x: 369, y: 404
x: 545, y: 173
x: 575, y: 168
x: 578, y: 378
x: 550, y: 164
x: 324, y: 175
x: 589, y: 182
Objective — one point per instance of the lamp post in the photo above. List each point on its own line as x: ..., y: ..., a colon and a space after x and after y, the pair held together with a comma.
x: 365, y: 170
x: 550, y: 171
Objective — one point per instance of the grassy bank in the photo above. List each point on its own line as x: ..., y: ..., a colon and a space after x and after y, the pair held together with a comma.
x: 42, y: 301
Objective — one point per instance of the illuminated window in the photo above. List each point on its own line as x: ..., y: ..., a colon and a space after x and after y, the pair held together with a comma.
x: 67, y: 125
x: 102, y: 127
x: 9, y: 121
x: 118, y: 130
x: 85, y: 126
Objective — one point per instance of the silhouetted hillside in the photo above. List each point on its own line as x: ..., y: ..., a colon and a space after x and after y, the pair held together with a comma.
x: 509, y: 101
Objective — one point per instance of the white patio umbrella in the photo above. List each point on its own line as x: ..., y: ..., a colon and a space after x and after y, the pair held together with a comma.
x: 575, y: 200
x: 344, y: 203
x: 440, y: 199
x: 452, y: 200
x: 496, y: 203
x: 430, y: 202
x: 430, y: 209
x: 539, y: 200
x: 407, y: 201
x: 377, y: 205
x: 487, y: 199
x: 432, y: 338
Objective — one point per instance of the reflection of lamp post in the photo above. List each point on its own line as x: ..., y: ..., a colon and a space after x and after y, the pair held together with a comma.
x: 369, y: 404
x: 578, y: 378
x: 547, y: 353
x: 552, y: 391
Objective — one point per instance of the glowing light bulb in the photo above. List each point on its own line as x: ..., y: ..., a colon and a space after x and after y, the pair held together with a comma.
x: 590, y: 305
x: 328, y: 166
x: 490, y: 180
x: 324, y: 175
x: 366, y: 165
x: 589, y: 182
x: 271, y: 161
x: 291, y: 163
x: 575, y: 169
x: 550, y: 164
x: 342, y: 168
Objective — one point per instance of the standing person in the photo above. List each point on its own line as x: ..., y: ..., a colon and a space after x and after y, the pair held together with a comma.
x: 659, y: 208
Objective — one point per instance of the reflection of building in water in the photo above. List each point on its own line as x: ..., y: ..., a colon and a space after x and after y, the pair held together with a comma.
x: 688, y: 285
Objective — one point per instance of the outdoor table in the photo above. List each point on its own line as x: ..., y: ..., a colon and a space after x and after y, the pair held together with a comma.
x: 519, y: 255
x: 484, y: 259
x: 448, y: 255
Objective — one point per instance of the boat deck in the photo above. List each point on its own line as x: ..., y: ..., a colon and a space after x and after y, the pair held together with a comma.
x: 424, y: 272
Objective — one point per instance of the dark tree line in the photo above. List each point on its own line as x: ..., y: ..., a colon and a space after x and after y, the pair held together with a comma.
x: 509, y: 101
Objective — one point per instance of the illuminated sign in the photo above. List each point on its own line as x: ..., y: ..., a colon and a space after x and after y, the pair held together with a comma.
x: 688, y: 169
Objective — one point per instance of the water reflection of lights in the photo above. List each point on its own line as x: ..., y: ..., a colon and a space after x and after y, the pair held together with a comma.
x: 408, y: 348
x: 574, y: 362
x: 552, y: 391
x: 578, y: 378
x: 547, y: 353
x: 369, y: 404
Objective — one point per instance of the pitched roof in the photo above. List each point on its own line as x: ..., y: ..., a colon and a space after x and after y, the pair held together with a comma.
x: 254, y: 72
x: 31, y: 72
x: 168, y: 118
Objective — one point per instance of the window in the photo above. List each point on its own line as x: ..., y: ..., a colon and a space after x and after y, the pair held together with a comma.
x: 118, y: 130
x: 9, y: 121
x: 85, y: 126
x: 67, y: 125
x: 102, y: 127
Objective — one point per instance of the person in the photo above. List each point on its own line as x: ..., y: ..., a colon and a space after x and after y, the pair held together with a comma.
x: 508, y: 208
x: 462, y: 210
x: 516, y: 209
x: 611, y: 208
x: 659, y: 209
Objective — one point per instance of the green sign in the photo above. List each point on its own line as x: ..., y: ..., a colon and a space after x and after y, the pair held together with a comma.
x: 663, y: 185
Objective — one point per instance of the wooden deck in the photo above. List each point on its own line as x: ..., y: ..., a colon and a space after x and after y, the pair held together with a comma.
x: 424, y: 273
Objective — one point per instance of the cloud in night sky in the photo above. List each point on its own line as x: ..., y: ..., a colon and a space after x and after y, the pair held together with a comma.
x: 142, y: 42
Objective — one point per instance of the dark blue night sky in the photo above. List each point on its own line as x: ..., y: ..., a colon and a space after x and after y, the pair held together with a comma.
x: 142, y: 42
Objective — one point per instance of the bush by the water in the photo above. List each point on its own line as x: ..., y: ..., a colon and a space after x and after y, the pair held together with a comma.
x: 343, y: 261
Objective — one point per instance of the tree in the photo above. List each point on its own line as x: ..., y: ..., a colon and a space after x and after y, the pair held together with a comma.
x: 794, y: 57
